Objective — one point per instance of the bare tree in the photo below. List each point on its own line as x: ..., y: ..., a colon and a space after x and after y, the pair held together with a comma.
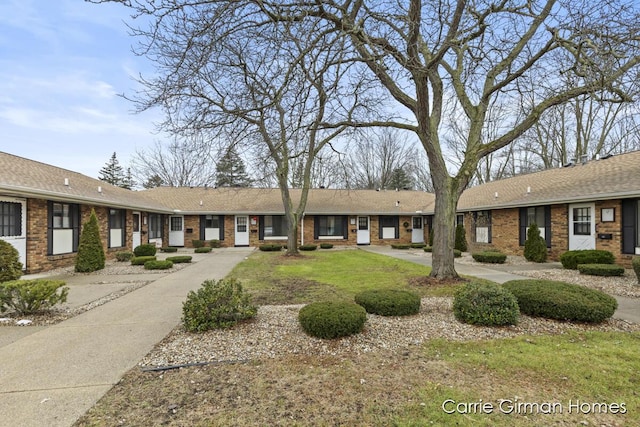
x: 424, y: 54
x: 183, y: 162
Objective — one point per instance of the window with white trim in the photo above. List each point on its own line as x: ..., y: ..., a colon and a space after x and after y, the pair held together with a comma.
x: 10, y: 219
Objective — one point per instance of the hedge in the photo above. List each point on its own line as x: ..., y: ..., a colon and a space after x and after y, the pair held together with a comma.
x: 270, y: 247
x: 389, y: 302
x: 332, y: 319
x: 179, y: 259
x: 146, y: 249
x: 202, y: 250
x: 158, y: 264
x: 169, y: 249
x: 601, y: 269
x: 571, y: 259
x: 486, y: 304
x: 635, y: 263
x: 561, y: 301
x: 326, y: 245
x: 308, y: 247
x: 140, y: 260
x: 400, y: 245
x: 490, y: 257
x: 124, y: 256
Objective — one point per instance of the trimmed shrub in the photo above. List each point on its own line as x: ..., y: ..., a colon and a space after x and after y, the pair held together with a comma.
x: 635, y: 263
x: 326, y: 245
x: 215, y: 243
x: 179, y: 259
x: 141, y: 260
x: 157, y: 264
x: 270, y: 247
x: 457, y: 253
x: 10, y: 265
x: 400, y: 245
x: 486, y: 304
x: 461, y: 238
x: 561, y: 301
x: 431, y: 233
x: 197, y: 243
x: 146, y: 249
x: 32, y: 296
x: 571, y: 259
x: 418, y: 245
x: 308, y: 247
x: 428, y: 249
x: 490, y: 257
x: 90, y: 255
x: 216, y: 305
x: 169, y: 249
x: 124, y: 256
x: 202, y: 250
x: 389, y: 302
x: 332, y: 319
x: 535, y: 247
x: 601, y: 269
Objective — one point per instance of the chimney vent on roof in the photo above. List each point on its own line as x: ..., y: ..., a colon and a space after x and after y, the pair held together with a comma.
x: 99, y: 189
x: 495, y: 195
x: 200, y: 202
x: 528, y: 190
x: 584, y: 159
x: 397, y: 203
x: 66, y: 182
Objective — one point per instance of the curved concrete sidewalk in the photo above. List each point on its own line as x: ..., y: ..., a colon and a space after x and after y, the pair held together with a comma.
x: 628, y: 308
x: 53, y: 376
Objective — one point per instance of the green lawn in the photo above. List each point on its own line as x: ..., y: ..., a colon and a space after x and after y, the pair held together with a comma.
x: 273, y: 278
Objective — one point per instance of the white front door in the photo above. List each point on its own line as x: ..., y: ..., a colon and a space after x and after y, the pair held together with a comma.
x: 176, y: 230
x: 363, y: 236
x: 582, y: 226
x: 13, y: 229
x: 135, y: 230
x: 242, y: 230
x: 417, y: 231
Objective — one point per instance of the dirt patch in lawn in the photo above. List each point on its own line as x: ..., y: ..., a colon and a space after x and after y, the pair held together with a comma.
x: 291, y: 291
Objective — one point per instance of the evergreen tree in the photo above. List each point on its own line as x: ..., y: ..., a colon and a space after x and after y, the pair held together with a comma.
x: 113, y: 173
x: 231, y: 171
x: 461, y: 238
x: 400, y: 180
x: 535, y: 247
x: 153, y: 181
x: 90, y: 250
x: 128, y: 181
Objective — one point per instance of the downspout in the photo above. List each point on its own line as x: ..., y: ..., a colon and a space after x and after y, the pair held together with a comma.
x: 302, y: 230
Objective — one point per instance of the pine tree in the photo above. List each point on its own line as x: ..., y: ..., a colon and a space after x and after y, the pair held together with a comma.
x: 128, y: 181
x: 112, y: 172
x: 461, y: 238
x: 153, y: 181
x: 535, y: 247
x: 400, y: 180
x: 231, y: 171
x: 91, y: 255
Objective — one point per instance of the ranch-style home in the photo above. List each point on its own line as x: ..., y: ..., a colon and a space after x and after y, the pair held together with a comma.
x: 594, y: 204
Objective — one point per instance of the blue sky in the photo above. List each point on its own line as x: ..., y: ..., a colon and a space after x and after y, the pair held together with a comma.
x: 62, y: 65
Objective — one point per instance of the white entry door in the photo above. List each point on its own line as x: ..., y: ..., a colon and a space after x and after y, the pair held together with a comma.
x: 176, y: 230
x: 417, y: 233
x: 363, y: 236
x: 242, y: 230
x: 13, y: 228
x: 135, y: 230
x: 582, y: 226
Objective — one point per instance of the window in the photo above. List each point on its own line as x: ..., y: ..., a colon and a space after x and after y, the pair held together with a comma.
x: 241, y: 224
x: 212, y: 227
x: 483, y: 226
x: 389, y: 227
x: 539, y: 215
x: 363, y: 223
x: 176, y: 223
x: 582, y: 221
x: 155, y: 226
x: 63, y: 228
x: 273, y: 226
x: 330, y: 226
x: 417, y: 223
x: 116, y: 228
x: 459, y: 219
x: 10, y: 219
x: 631, y: 226
x: 211, y: 221
x: 136, y: 222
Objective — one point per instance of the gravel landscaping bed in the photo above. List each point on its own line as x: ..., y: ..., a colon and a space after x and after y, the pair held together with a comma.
x: 275, y: 332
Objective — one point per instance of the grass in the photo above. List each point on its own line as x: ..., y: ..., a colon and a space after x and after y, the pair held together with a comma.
x: 276, y: 279
x: 405, y: 387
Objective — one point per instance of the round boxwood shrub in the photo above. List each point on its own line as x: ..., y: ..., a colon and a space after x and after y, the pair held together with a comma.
x: 158, y: 264
x: 202, y: 250
x: 490, y: 257
x: 332, y: 319
x: 270, y: 247
x: 308, y: 247
x: 418, y: 245
x: 146, y: 249
x: 561, y: 301
x: 197, y: 243
x: 601, y: 269
x: 216, y: 305
x: 169, y: 249
x: 535, y: 247
x: 486, y: 304
x: 571, y: 259
x: 389, y: 302
x: 457, y: 253
x: 10, y: 265
x: 179, y: 259
x: 635, y: 263
x: 140, y: 260
x: 215, y: 243
x: 428, y: 249
x: 124, y: 256
x: 400, y: 245
x: 326, y: 245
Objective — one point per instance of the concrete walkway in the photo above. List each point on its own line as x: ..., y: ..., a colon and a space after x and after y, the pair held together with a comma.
x: 628, y: 308
x: 52, y: 376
